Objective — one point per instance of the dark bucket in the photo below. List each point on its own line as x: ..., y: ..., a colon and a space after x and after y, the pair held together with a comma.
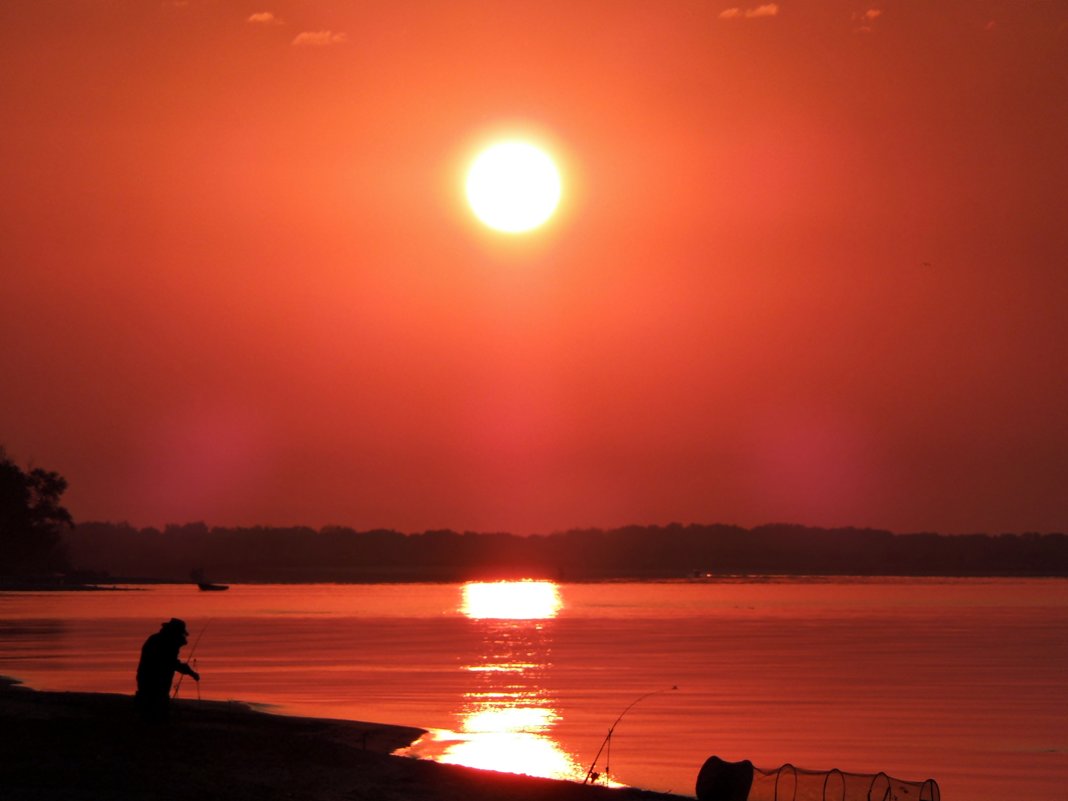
x: 724, y: 781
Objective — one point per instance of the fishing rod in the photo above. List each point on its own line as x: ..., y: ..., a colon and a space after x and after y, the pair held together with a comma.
x: 607, y: 742
x: 191, y: 652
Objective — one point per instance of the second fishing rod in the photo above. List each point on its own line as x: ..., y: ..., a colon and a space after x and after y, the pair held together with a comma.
x: 190, y: 659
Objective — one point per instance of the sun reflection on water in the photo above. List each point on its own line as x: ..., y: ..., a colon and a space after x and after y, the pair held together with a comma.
x: 514, y: 739
x: 506, y: 718
x: 510, y: 600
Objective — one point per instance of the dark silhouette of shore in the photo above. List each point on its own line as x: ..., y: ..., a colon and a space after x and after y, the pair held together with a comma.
x: 300, y: 554
x: 91, y: 747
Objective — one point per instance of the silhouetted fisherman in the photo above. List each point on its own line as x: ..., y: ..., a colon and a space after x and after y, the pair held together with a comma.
x: 155, y: 671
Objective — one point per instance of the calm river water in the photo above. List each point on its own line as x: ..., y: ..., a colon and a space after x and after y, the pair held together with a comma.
x: 963, y: 681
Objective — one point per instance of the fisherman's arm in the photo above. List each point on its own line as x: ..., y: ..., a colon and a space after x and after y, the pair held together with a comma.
x: 183, y: 667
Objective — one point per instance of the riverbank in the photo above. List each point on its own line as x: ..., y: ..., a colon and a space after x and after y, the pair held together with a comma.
x: 91, y: 746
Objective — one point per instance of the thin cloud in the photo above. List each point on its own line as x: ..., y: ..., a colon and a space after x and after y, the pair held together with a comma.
x: 320, y: 38
x: 264, y: 18
x: 866, y: 20
x: 766, y: 10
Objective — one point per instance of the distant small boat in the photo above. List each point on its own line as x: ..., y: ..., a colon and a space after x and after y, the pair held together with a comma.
x: 198, y: 577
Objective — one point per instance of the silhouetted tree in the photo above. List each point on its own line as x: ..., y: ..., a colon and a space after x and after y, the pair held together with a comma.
x: 31, y: 520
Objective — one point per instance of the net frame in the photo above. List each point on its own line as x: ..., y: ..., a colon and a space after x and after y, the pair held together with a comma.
x: 790, y: 783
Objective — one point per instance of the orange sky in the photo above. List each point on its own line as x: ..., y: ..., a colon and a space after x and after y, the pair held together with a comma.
x: 811, y: 263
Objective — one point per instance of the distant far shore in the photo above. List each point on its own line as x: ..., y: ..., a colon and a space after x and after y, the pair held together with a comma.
x: 136, y: 584
x: 114, y: 585
x: 92, y: 747
x: 333, y: 554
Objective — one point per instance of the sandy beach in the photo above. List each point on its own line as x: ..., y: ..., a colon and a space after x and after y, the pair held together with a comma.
x: 90, y: 746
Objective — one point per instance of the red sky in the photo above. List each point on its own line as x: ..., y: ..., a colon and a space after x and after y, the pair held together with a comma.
x: 811, y: 264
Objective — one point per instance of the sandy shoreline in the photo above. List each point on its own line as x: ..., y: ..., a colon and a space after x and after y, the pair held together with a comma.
x: 92, y: 746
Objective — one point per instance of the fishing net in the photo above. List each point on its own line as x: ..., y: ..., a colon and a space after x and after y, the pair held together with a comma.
x: 741, y: 781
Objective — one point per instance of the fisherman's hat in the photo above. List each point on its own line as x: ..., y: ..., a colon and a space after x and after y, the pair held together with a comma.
x: 178, y: 624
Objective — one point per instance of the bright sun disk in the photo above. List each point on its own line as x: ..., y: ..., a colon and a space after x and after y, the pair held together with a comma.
x: 513, y: 186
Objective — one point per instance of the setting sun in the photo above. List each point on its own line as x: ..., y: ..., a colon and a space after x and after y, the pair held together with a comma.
x: 513, y: 186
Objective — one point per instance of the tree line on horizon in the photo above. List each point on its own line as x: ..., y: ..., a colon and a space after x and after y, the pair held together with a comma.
x: 38, y: 538
x: 341, y: 554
